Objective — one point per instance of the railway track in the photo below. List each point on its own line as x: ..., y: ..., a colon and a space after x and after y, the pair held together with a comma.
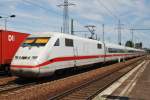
x: 6, y: 80
x: 12, y: 86
x: 51, y: 87
x: 90, y: 89
x: 3, y: 75
x: 17, y: 84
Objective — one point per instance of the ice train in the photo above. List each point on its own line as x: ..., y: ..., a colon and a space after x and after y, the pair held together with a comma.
x: 43, y: 53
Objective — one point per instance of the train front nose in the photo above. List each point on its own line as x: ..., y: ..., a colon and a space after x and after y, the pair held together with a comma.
x: 21, y: 71
x: 24, y: 66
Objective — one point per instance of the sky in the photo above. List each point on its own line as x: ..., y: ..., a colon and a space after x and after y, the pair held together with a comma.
x: 45, y: 16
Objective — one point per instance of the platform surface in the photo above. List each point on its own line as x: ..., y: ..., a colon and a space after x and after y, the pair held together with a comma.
x: 135, y: 87
x: 141, y: 91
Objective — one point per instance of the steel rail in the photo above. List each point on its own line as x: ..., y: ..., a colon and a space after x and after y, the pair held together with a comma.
x: 84, y: 85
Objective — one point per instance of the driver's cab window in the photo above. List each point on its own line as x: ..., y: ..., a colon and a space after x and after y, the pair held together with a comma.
x: 57, y: 43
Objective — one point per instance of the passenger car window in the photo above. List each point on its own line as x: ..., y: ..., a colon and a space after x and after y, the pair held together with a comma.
x: 69, y: 42
x: 114, y: 50
x: 99, y: 46
x: 57, y: 43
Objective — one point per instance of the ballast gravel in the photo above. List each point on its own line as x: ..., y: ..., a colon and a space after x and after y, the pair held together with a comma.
x: 47, y: 90
x: 6, y: 80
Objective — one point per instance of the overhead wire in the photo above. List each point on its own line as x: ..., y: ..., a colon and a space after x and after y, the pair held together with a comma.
x: 39, y: 6
x: 110, y: 12
x: 58, y: 14
x: 42, y: 7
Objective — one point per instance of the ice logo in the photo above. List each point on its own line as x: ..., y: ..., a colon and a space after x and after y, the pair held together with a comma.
x: 11, y: 38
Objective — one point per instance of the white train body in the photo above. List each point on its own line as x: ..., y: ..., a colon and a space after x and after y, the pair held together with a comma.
x: 44, y: 53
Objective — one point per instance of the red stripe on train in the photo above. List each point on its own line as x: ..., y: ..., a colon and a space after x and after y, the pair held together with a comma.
x: 60, y: 59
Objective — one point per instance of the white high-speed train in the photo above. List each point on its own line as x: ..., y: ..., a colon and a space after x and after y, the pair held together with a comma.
x: 43, y: 53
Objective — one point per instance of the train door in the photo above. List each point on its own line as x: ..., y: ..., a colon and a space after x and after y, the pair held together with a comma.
x: 80, y: 52
x: 75, y: 51
x: 69, y: 51
x: 105, y: 52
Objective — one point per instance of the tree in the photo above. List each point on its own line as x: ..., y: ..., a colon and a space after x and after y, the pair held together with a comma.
x: 129, y: 44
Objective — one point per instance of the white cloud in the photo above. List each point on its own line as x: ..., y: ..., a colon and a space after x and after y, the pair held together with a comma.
x: 132, y: 12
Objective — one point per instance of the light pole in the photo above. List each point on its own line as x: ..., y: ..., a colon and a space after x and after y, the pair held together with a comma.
x: 103, y: 27
x: 5, y: 20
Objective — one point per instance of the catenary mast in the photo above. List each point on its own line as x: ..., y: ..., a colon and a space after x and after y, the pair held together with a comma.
x: 66, y: 15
